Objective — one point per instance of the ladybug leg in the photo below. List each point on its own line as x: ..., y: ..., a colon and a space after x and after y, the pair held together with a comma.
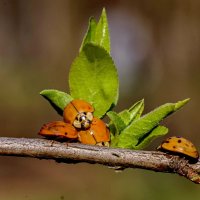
x: 106, y: 144
x: 52, y: 142
x: 99, y: 144
x: 102, y: 144
x: 55, y: 140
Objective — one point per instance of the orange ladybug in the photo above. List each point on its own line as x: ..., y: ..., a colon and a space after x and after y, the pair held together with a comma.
x: 181, y: 146
x: 59, y: 130
x: 79, y: 124
x: 97, y: 134
x: 79, y: 113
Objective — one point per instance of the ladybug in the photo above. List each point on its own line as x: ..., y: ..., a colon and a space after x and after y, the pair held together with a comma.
x: 97, y: 134
x: 79, y: 113
x: 59, y: 130
x: 181, y: 146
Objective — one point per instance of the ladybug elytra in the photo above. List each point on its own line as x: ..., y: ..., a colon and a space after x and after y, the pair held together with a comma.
x: 58, y: 129
x: 79, y: 124
x: 79, y: 113
x: 98, y: 133
x: 181, y: 146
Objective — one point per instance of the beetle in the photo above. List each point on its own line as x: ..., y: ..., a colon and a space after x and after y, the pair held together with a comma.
x: 97, y: 134
x: 58, y: 130
x: 181, y: 146
x: 79, y: 113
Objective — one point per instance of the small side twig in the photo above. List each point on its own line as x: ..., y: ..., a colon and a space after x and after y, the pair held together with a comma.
x: 113, y: 157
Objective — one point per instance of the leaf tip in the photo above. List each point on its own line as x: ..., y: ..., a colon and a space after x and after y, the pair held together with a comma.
x: 180, y: 104
x: 92, y: 20
x: 186, y: 100
x: 42, y: 93
x: 103, y: 11
x: 141, y: 102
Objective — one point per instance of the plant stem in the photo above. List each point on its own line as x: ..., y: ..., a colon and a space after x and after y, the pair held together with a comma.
x: 112, y: 157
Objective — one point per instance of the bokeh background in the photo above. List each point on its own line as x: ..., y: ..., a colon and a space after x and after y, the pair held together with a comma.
x: 155, y: 45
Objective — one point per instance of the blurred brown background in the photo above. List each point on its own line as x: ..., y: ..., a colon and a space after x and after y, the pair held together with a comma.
x: 155, y: 45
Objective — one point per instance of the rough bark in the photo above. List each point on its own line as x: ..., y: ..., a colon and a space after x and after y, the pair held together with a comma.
x: 112, y: 157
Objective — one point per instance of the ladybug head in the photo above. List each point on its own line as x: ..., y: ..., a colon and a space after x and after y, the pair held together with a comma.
x: 83, y: 120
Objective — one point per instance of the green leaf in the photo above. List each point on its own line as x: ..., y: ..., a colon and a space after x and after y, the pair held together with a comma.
x: 91, y: 32
x: 57, y: 99
x: 133, y: 113
x: 122, y: 119
x: 116, y: 125
x: 180, y: 104
x: 98, y: 33
x: 137, y: 109
x: 117, y: 121
x: 124, y: 141
x: 93, y: 78
x: 102, y: 32
x: 158, y: 131
x: 125, y: 115
x: 131, y: 135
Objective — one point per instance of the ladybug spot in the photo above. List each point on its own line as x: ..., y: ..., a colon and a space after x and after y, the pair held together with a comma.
x: 179, y: 141
x: 65, y: 133
x: 174, y: 147
x: 166, y: 141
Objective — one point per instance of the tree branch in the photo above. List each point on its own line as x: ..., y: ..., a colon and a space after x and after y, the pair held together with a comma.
x: 113, y: 157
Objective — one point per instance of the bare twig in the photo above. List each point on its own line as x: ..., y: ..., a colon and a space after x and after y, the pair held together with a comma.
x: 113, y: 157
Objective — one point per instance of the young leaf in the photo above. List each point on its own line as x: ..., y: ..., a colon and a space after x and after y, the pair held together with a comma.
x: 125, y: 115
x: 90, y: 35
x: 131, y: 135
x: 180, y: 104
x: 122, y: 119
x: 93, y: 77
x: 57, y: 99
x: 137, y: 109
x: 124, y: 141
x: 98, y: 33
x: 133, y: 113
x: 102, y: 32
x: 117, y: 121
x: 158, y: 131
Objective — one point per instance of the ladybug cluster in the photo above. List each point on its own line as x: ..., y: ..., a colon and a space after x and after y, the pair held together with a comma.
x: 180, y: 146
x: 79, y: 124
